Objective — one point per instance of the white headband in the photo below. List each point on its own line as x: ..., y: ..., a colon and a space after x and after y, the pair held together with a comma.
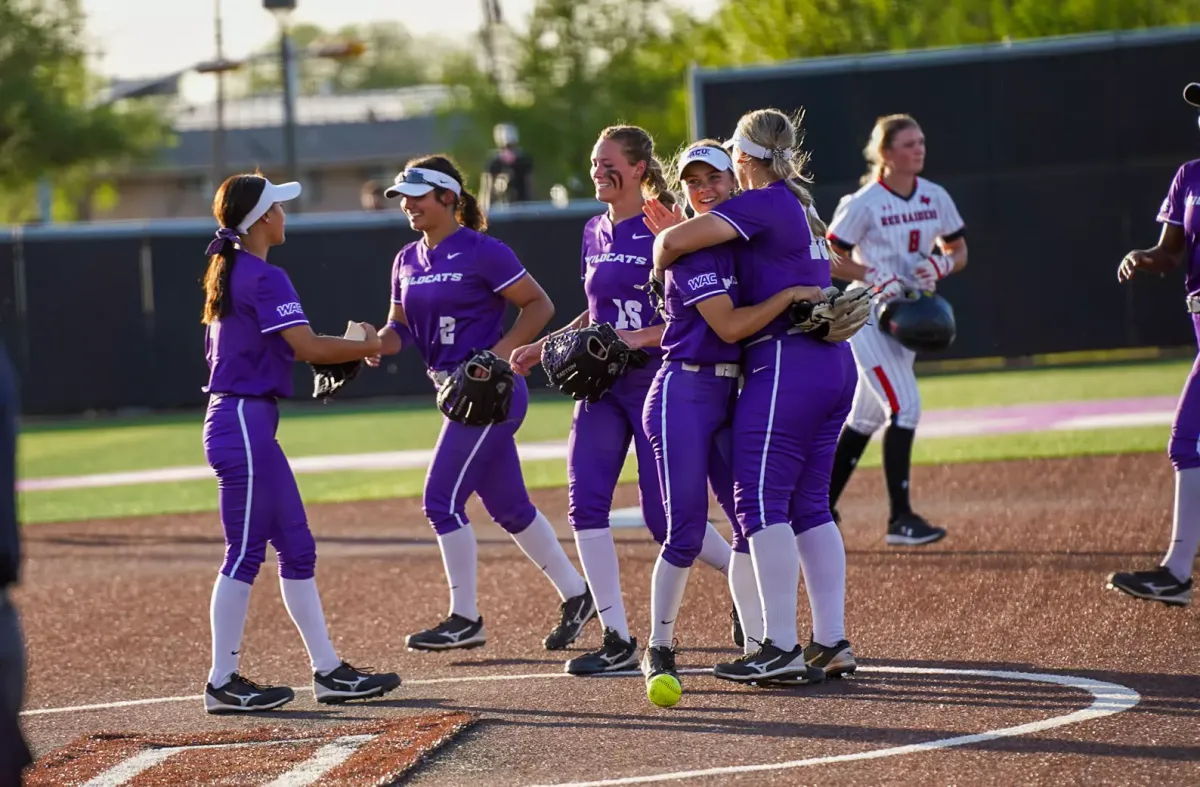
x: 271, y: 194
x: 714, y: 157
x: 752, y: 148
x: 418, y: 181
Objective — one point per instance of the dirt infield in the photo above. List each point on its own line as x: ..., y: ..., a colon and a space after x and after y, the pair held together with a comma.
x: 993, y: 657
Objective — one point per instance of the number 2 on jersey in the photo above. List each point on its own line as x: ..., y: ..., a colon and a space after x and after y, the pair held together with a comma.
x: 629, y: 314
x: 914, y: 240
x: 446, y: 330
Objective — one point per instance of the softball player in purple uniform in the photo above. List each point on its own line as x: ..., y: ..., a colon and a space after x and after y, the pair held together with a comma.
x: 689, y: 412
x: 1178, y: 244
x: 796, y: 396
x: 615, y: 266
x: 256, y: 329
x: 450, y: 291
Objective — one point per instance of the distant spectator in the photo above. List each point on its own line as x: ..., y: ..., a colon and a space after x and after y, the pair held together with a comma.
x: 507, y: 179
x: 372, y: 196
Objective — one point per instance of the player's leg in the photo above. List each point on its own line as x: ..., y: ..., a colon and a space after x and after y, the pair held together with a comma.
x: 867, y: 413
x: 1171, y: 582
x: 596, y: 451
x: 234, y: 430
x: 500, y: 484
x: 770, y: 433
x: 334, y: 680
x: 747, y: 626
x: 819, y: 542
x: 714, y: 549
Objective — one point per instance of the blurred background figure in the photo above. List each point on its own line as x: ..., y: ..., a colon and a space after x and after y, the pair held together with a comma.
x: 14, y: 753
x: 508, y: 177
x: 372, y: 196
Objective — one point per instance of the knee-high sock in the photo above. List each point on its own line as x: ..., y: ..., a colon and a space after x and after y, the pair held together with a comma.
x: 303, y: 603
x: 459, y: 558
x: 823, y: 558
x: 541, y: 546
x: 715, y: 550
x: 598, y: 554
x: 1185, y: 531
x: 744, y: 589
x: 227, y: 613
x: 850, y: 448
x: 777, y: 570
x: 897, y: 464
x: 666, y: 596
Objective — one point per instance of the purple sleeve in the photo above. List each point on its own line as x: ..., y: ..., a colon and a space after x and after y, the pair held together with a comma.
x: 697, y: 277
x: 749, y: 212
x: 277, y: 303
x: 396, y: 288
x: 1173, y: 206
x: 499, y: 266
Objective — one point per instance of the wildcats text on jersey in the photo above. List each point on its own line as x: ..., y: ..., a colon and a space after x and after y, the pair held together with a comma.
x: 908, y: 218
x: 608, y: 256
x: 433, y: 278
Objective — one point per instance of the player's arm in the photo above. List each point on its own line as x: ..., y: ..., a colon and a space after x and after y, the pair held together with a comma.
x: 734, y: 324
x: 644, y: 337
x: 310, y: 347
x: 527, y: 356
x: 954, y: 249
x: 699, y: 232
x: 1164, y: 257
x: 841, y: 264
x: 536, y: 310
x: 392, y: 337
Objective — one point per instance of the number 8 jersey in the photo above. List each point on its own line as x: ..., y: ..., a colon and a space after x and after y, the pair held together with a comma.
x: 616, y: 262
x: 451, y: 294
x: 887, y: 231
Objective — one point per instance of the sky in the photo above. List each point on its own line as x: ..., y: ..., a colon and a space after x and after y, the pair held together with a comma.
x: 143, y: 38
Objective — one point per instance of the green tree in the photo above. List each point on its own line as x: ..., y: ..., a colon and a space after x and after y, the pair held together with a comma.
x: 50, y: 123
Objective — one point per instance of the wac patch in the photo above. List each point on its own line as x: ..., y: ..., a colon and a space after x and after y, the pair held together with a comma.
x: 378, y: 753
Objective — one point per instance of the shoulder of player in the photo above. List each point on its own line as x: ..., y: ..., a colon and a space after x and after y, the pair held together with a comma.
x: 930, y: 189
x: 1189, y: 168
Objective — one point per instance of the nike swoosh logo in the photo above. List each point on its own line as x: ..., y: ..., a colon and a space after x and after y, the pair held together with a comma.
x: 667, y: 622
x: 234, y: 653
x: 759, y: 369
x: 452, y: 256
x: 640, y: 237
x: 606, y: 609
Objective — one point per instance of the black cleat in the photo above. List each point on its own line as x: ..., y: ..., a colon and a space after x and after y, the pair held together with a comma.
x: 770, y: 664
x: 910, y: 530
x: 241, y: 695
x: 1156, y: 585
x: 739, y: 638
x: 351, y: 683
x: 662, y: 679
x: 452, y: 633
x: 575, y: 613
x: 613, y: 656
x: 835, y: 660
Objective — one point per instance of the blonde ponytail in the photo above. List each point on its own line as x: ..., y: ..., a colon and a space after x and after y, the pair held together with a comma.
x: 779, y: 134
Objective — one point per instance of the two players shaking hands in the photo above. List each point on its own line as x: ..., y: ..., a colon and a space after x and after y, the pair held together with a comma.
x: 585, y: 363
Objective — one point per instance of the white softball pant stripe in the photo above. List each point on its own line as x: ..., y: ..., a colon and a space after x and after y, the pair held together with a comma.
x: 887, y: 384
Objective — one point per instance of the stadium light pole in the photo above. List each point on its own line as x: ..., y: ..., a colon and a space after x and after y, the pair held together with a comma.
x: 282, y: 9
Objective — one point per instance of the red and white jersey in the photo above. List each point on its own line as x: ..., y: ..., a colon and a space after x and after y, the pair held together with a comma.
x: 887, y: 232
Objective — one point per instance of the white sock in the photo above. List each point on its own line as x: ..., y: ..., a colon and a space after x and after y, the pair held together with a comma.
x: 1185, y: 531
x: 598, y: 554
x: 227, y: 615
x: 777, y: 570
x: 715, y: 550
x: 744, y: 589
x: 303, y: 603
x: 666, y: 596
x: 823, y: 558
x: 459, y: 557
x: 540, y: 544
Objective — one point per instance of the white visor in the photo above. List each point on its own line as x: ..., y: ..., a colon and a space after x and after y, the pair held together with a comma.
x: 751, y: 148
x: 714, y: 157
x: 271, y: 194
x: 419, y: 181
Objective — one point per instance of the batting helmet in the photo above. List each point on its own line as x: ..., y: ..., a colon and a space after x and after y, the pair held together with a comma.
x: 919, y: 321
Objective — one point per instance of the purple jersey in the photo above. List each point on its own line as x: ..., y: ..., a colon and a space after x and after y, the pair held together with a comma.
x: 780, y: 250
x: 693, y: 278
x: 246, y: 355
x: 616, y: 262
x: 1180, y: 208
x: 451, y: 294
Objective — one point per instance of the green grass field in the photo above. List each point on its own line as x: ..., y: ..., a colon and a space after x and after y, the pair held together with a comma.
x: 123, y: 444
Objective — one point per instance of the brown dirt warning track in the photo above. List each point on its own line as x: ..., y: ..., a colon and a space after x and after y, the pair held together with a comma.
x: 1004, y: 626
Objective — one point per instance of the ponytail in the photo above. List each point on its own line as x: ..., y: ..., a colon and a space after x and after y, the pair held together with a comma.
x: 469, y: 214
x: 217, y: 295
x: 654, y: 183
x: 779, y: 134
x: 638, y: 146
